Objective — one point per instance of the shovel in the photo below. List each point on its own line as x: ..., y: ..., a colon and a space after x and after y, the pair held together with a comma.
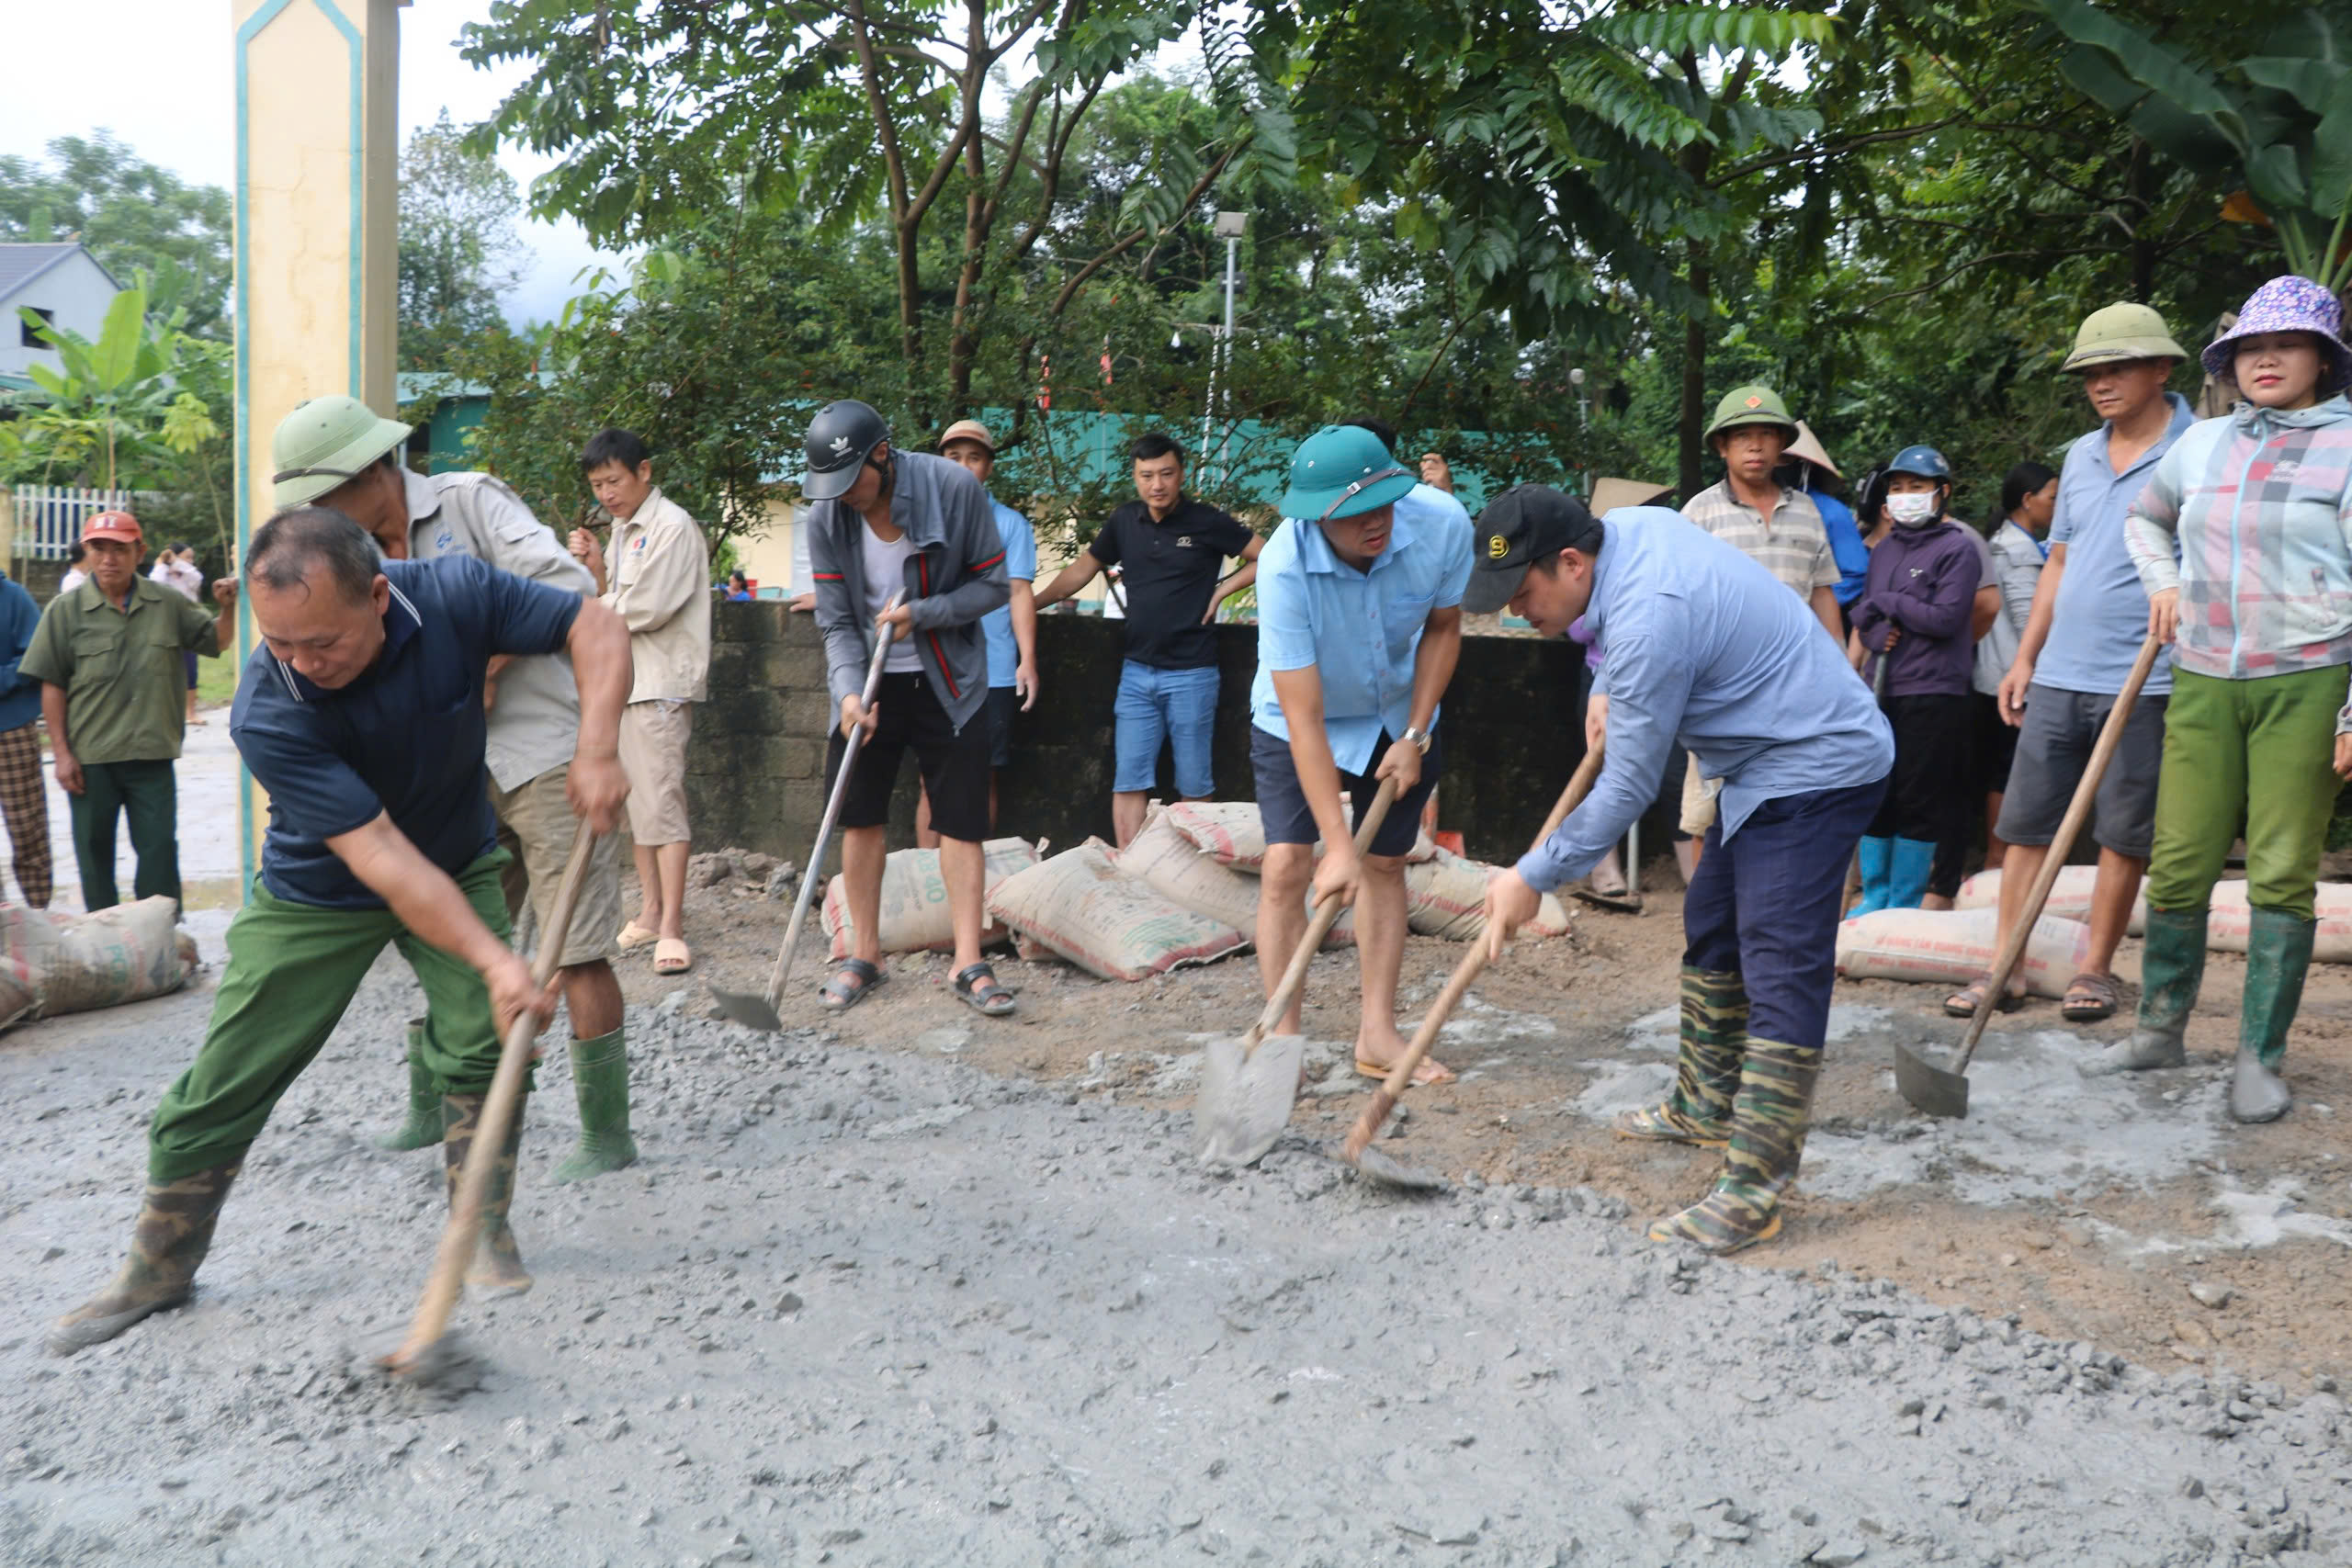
x: 756, y: 1009
x: 1358, y: 1150
x: 1248, y: 1086
x: 1942, y: 1091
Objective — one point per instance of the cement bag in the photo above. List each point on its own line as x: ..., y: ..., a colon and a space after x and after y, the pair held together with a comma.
x: 1953, y: 946
x: 914, y: 899
x: 2227, y: 926
x: 1118, y: 927
x: 1446, y: 896
x: 2070, y: 896
x: 1231, y: 833
x: 56, y: 963
x: 1165, y: 858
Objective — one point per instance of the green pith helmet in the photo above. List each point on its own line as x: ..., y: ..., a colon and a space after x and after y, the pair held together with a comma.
x: 2114, y: 334
x: 325, y: 441
x: 1342, y: 471
x: 1751, y: 405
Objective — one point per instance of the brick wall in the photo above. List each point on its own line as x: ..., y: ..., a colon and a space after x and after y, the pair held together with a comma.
x: 755, y: 769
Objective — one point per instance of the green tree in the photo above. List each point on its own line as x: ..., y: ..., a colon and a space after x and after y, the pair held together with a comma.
x: 131, y: 214
x: 460, y: 252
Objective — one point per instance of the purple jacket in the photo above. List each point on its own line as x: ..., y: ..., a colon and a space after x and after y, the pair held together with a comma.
x: 1925, y: 580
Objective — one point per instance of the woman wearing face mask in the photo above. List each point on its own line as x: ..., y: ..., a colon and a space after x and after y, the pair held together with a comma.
x: 1915, y: 616
x: 2259, y: 507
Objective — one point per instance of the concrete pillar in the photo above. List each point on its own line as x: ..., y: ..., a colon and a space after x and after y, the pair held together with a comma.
x: 317, y: 201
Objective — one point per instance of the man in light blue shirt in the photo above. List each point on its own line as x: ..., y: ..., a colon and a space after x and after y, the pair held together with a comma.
x: 1011, y: 631
x: 1358, y: 625
x: 1707, y: 653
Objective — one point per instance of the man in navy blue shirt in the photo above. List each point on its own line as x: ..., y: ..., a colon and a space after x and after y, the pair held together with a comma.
x: 24, y: 789
x: 362, y: 716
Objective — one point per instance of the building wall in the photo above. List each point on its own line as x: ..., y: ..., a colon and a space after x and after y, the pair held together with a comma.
x: 756, y: 765
x: 77, y: 290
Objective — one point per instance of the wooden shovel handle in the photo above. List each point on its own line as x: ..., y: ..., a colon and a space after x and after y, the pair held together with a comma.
x: 1400, y: 1077
x: 460, y: 1236
x: 2110, y: 736
x: 1327, y: 915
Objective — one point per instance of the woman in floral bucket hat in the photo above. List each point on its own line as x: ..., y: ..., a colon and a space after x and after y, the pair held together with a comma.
x: 2258, y: 606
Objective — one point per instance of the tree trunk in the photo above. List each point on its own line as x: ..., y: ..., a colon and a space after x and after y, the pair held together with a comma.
x: 1689, y: 480
x: 2143, y: 250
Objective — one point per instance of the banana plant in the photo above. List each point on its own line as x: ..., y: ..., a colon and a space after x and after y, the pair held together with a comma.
x: 2277, y: 125
x: 118, y: 390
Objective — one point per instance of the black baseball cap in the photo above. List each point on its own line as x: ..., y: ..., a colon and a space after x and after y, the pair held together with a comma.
x: 1524, y: 525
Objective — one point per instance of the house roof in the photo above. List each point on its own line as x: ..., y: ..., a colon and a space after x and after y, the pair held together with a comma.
x: 20, y: 264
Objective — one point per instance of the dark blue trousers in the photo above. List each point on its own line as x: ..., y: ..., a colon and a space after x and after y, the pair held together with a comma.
x: 1766, y: 905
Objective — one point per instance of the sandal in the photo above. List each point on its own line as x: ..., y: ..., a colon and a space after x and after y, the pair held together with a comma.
x: 1964, y: 1002
x: 634, y: 936
x: 672, y: 956
x: 977, y: 987
x: 852, y: 978
x: 1430, y: 1071
x: 2091, y: 998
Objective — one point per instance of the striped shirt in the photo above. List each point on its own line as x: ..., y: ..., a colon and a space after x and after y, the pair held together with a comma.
x: 1793, y: 547
x: 2250, y: 517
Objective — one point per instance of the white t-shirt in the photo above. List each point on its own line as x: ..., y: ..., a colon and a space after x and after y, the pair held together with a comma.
x: 885, y: 573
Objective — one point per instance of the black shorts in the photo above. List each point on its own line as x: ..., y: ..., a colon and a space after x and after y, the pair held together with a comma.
x: 997, y: 713
x: 1288, y: 819
x: 1997, y: 746
x: 955, y: 767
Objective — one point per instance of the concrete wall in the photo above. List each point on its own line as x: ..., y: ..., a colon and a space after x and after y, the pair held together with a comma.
x: 757, y: 762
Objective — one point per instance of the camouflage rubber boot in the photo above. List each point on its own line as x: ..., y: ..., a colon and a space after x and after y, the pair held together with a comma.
x: 497, y: 1268
x: 173, y: 1234
x: 422, y: 1127
x: 2172, y: 966
x: 1766, y: 1142
x: 1706, y: 1078
x: 600, y: 1082
x: 2278, y: 955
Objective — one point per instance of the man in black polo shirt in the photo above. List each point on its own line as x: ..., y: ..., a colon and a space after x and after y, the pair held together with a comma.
x: 362, y: 716
x: 1169, y: 549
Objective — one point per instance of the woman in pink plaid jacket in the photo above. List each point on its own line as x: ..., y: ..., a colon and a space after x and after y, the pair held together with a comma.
x: 2243, y: 540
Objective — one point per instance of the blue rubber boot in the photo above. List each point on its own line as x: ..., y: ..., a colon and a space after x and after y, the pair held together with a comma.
x: 1877, y: 857
x: 1914, y: 862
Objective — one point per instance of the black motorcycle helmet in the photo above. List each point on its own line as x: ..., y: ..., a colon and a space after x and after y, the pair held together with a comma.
x: 840, y: 440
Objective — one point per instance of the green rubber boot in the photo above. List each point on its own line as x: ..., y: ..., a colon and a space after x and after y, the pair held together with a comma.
x: 2278, y: 955
x: 497, y: 1268
x: 424, y: 1124
x: 173, y: 1234
x: 1706, y: 1076
x: 2171, y: 969
x: 600, y: 1081
x: 1769, y: 1123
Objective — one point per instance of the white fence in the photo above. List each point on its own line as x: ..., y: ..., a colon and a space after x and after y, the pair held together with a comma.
x: 49, y: 517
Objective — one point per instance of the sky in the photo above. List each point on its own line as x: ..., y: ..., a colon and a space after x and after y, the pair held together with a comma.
x: 164, y: 89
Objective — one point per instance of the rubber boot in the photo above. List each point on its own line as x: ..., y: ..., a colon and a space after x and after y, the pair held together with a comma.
x: 1877, y: 858
x: 2171, y: 968
x: 173, y: 1234
x: 1909, y: 868
x: 1706, y: 1078
x: 600, y: 1082
x: 497, y: 1268
x: 422, y: 1127
x: 1769, y: 1122
x: 2278, y: 955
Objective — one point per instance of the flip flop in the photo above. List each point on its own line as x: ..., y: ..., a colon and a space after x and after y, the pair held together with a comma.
x: 672, y: 956
x: 634, y: 936
x: 1430, y: 1072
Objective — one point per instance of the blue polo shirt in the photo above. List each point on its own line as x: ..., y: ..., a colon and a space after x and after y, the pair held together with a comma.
x: 1708, y: 653
x: 1020, y: 565
x: 406, y: 737
x: 1846, y: 547
x: 1359, y: 630
x: 2101, y: 614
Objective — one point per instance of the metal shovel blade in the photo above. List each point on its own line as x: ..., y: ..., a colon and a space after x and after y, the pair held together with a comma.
x: 1246, y: 1099
x: 1934, y: 1089
x: 1396, y: 1173
x: 750, y: 1008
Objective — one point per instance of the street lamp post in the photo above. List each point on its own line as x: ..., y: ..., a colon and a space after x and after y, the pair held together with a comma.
x: 1230, y: 227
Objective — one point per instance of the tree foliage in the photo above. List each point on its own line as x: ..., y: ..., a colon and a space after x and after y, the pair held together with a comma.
x: 131, y: 213
x: 458, y: 249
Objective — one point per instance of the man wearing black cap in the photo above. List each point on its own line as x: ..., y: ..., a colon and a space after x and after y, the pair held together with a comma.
x: 1706, y: 653
x: 889, y: 523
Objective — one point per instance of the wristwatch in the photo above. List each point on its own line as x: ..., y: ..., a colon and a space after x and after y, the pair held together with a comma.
x: 1419, y: 737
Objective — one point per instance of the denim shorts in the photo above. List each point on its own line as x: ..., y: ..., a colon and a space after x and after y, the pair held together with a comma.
x: 1174, y: 707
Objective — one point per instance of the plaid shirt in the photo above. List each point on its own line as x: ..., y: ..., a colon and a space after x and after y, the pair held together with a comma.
x: 2258, y: 508
x: 1794, y: 546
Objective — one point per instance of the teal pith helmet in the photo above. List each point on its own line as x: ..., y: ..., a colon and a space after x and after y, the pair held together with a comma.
x: 1342, y: 471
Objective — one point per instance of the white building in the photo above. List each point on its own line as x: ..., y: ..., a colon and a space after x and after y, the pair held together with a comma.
x: 66, y: 284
